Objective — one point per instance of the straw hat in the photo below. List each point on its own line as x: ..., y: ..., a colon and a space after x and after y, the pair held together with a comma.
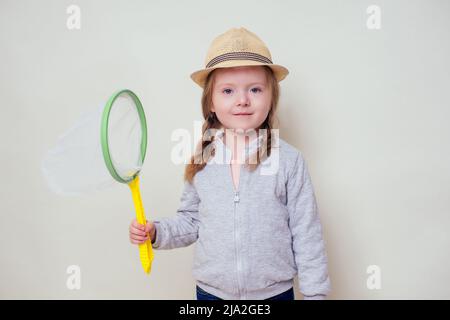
x: 237, y: 47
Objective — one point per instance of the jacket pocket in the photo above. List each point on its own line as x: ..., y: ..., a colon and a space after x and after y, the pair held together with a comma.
x: 212, y: 265
x: 271, y: 259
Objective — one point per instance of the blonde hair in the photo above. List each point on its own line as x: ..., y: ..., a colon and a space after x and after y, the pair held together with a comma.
x: 204, y: 150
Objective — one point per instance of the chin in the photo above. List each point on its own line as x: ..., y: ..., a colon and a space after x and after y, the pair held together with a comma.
x: 248, y: 125
x: 245, y: 128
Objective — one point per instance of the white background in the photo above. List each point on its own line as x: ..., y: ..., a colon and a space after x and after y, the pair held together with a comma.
x: 369, y: 109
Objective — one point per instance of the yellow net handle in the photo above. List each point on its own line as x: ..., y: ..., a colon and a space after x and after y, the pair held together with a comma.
x: 145, y: 249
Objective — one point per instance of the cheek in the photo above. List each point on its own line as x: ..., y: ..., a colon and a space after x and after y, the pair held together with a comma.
x: 263, y: 110
x: 217, y: 99
x: 266, y: 98
x: 220, y: 104
x: 261, y: 115
x: 262, y: 103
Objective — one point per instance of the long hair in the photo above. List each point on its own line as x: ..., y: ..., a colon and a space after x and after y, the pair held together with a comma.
x: 205, y: 150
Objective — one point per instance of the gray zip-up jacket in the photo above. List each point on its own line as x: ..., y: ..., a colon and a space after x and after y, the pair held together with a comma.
x: 251, y: 242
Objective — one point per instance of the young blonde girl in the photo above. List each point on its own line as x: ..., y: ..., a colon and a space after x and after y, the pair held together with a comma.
x: 248, y: 201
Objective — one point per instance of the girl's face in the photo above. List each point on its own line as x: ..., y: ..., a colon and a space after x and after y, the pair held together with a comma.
x: 241, y: 97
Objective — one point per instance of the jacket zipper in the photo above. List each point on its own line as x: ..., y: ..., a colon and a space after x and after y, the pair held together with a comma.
x: 236, y: 234
x: 236, y: 239
x: 236, y: 199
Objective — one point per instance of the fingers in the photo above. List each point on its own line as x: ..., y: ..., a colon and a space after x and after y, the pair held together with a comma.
x: 137, y: 233
x: 138, y: 238
x: 137, y: 228
x: 135, y: 224
x: 137, y: 242
x: 134, y: 241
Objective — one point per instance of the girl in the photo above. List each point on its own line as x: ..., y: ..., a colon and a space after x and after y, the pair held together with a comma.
x: 248, y: 200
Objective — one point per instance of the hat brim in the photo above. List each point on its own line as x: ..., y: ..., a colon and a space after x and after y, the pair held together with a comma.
x: 199, y: 76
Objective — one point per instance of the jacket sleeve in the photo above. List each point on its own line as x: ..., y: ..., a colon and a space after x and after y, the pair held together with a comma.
x: 307, y: 240
x: 180, y: 230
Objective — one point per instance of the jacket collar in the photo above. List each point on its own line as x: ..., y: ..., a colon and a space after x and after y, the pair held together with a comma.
x: 248, y: 150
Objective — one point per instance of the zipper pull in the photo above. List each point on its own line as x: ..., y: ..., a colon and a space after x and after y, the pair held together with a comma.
x: 236, y: 196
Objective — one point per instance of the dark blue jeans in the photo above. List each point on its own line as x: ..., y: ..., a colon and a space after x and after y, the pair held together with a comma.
x: 287, y: 295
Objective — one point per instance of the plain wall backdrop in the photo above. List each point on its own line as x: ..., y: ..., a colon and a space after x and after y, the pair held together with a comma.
x: 369, y: 110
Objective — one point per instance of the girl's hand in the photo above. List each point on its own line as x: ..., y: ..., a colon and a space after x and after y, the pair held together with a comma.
x: 139, y: 233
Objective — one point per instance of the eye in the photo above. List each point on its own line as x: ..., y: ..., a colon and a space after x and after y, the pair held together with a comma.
x: 258, y: 90
x: 226, y: 90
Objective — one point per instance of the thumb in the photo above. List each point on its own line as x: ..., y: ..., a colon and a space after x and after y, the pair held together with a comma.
x: 148, y: 226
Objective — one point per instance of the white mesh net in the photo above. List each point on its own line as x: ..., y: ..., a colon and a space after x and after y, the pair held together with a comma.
x: 75, y: 165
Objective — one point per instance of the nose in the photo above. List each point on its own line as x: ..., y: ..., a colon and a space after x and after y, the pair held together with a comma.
x: 243, y: 100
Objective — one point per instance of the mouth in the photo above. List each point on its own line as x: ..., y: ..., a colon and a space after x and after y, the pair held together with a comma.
x: 243, y: 114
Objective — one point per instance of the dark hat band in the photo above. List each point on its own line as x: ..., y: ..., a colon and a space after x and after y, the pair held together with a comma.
x: 238, y: 56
